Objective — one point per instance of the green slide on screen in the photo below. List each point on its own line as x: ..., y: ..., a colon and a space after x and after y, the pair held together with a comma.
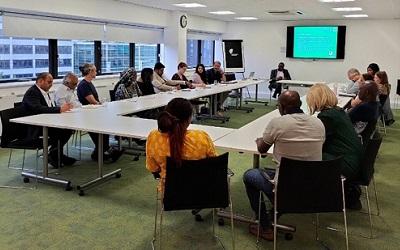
x: 315, y: 42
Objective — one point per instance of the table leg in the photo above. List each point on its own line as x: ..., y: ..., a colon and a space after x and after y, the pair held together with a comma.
x: 246, y: 219
x: 100, y: 177
x: 45, y: 172
x: 256, y: 161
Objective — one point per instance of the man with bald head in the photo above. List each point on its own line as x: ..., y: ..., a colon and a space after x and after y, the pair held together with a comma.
x: 295, y: 135
x: 37, y: 100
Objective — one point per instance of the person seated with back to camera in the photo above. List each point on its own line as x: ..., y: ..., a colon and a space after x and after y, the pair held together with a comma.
x: 37, y: 100
x: 174, y: 139
x: 160, y: 81
x: 127, y: 86
x: 368, y: 110
x: 88, y: 95
x: 382, y: 82
x: 340, y: 139
x: 276, y: 75
x: 295, y: 135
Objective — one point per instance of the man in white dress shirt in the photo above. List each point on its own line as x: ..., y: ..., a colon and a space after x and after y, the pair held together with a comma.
x: 65, y: 93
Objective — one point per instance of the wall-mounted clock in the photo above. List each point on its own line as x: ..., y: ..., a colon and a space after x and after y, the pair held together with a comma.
x: 183, y: 21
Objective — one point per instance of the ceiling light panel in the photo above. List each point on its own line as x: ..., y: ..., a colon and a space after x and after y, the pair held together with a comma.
x: 190, y: 5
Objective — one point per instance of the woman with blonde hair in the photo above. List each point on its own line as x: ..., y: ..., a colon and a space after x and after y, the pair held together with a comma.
x: 340, y: 138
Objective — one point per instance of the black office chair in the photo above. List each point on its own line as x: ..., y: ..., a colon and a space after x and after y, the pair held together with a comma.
x: 309, y: 187
x: 112, y: 95
x: 17, y: 104
x: 368, y: 132
x: 367, y: 173
x: 197, y: 184
x: 15, y: 135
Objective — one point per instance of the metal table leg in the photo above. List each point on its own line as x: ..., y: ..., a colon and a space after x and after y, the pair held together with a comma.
x: 246, y: 219
x: 45, y: 173
x: 256, y: 98
x: 100, y: 177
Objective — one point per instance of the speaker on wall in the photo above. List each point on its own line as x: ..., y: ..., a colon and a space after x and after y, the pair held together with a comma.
x: 398, y: 87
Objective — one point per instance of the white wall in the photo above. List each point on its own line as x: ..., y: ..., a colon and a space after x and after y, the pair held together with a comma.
x: 366, y: 41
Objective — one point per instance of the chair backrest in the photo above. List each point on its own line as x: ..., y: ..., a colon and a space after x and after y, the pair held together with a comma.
x: 112, y: 95
x: 230, y: 77
x: 309, y: 186
x: 17, y: 104
x: 12, y: 131
x: 197, y: 184
x: 368, y: 161
x: 368, y: 131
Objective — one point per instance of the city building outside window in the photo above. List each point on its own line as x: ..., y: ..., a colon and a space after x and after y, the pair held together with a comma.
x: 199, y: 51
x: 115, y: 57
x: 145, y: 56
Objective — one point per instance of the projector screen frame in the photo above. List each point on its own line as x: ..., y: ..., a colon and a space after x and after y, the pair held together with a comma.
x: 340, y: 49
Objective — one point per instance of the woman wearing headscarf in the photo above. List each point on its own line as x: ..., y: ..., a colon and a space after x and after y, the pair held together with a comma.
x: 127, y: 86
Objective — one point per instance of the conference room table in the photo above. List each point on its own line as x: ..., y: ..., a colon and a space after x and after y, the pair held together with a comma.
x: 109, y: 119
x: 243, y: 139
x: 298, y: 83
x: 95, y: 121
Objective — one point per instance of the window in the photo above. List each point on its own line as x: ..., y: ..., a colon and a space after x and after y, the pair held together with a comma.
x: 145, y: 56
x: 23, y: 75
x: 4, y: 64
x: 4, y: 76
x: 83, y: 53
x: 42, y: 49
x: 207, y: 52
x: 22, y: 64
x: 65, y: 50
x: 65, y: 62
x: 4, y: 49
x: 199, y: 51
x: 72, y: 54
x: 114, y: 57
x: 22, y: 49
x: 192, y: 54
x: 42, y: 63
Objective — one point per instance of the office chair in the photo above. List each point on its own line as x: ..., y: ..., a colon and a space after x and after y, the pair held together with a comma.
x: 15, y: 136
x: 367, y: 174
x: 197, y: 184
x: 309, y: 187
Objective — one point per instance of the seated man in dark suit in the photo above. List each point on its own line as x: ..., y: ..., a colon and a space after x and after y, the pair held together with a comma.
x: 37, y: 101
x: 217, y: 75
x: 276, y: 75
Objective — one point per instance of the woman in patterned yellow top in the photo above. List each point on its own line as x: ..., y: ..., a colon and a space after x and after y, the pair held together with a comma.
x: 174, y: 139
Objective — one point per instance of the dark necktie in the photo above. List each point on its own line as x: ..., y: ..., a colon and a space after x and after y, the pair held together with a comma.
x: 51, y: 103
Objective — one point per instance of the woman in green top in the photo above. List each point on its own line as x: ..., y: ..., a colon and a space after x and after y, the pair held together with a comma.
x: 341, y: 138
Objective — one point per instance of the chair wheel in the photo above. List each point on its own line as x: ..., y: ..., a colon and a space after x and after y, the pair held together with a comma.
x: 221, y: 222
x: 118, y: 175
x: 135, y: 158
x: 288, y: 236
x: 26, y: 180
x: 198, y: 217
x: 81, y: 193
x: 68, y: 187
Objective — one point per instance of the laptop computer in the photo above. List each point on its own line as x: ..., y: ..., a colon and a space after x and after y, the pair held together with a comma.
x: 251, y: 75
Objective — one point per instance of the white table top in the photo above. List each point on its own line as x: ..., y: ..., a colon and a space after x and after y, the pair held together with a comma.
x: 243, y: 139
x: 87, y: 120
x: 134, y: 105
x: 299, y: 82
